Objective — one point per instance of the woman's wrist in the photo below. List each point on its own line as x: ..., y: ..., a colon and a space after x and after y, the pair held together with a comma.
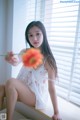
x: 56, y: 112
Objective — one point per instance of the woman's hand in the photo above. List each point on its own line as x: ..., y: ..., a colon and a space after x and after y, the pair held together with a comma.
x: 11, y: 58
x: 56, y: 117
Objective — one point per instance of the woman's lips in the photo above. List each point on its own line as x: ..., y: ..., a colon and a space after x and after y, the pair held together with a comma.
x: 36, y: 43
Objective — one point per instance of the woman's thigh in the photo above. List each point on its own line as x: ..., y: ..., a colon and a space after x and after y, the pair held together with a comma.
x: 25, y: 95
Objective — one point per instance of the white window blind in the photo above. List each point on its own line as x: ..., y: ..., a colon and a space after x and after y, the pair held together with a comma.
x: 62, y: 21
x: 34, y: 10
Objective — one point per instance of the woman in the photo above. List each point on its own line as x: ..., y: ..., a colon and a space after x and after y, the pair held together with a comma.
x: 33, y: 86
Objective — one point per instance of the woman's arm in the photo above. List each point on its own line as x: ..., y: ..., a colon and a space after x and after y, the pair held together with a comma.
x: 52, y: 91
x: 53, y: 96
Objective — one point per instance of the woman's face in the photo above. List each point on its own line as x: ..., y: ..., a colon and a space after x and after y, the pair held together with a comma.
x: 35, y: 37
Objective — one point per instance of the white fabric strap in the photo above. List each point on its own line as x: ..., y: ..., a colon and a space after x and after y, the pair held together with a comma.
x: 51, y: 80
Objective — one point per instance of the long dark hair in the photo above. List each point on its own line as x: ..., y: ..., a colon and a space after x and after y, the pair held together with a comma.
x: 45, y: 48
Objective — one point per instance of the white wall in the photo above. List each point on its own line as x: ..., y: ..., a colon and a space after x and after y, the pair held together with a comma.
x: 6, y: 25
x: 19, y: 25
x: 12, y: 30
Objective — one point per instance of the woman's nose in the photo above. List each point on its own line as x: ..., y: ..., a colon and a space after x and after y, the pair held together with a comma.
x: 35, y: 38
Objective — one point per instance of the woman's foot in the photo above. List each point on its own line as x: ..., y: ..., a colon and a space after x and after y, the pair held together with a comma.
x: 1, y: 96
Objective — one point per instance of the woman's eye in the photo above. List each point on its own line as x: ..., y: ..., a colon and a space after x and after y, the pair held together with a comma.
x: 37, y: 34
x: 30, y: 35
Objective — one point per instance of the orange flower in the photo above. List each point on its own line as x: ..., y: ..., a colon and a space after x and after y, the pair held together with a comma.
x: 32, y: 58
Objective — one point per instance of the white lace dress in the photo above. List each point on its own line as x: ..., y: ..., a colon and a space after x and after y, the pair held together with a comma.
x: 37, y: 80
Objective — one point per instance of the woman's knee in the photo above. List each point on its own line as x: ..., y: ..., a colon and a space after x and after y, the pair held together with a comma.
x: 9, y: 84
x: 10, y: 87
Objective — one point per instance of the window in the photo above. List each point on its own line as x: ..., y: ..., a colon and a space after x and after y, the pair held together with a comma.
x: 62, y: 21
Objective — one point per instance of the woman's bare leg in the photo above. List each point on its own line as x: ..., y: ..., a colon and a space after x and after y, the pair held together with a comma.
x: 2, y: 94
x: 16, y: 90
x: 11, y: 96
